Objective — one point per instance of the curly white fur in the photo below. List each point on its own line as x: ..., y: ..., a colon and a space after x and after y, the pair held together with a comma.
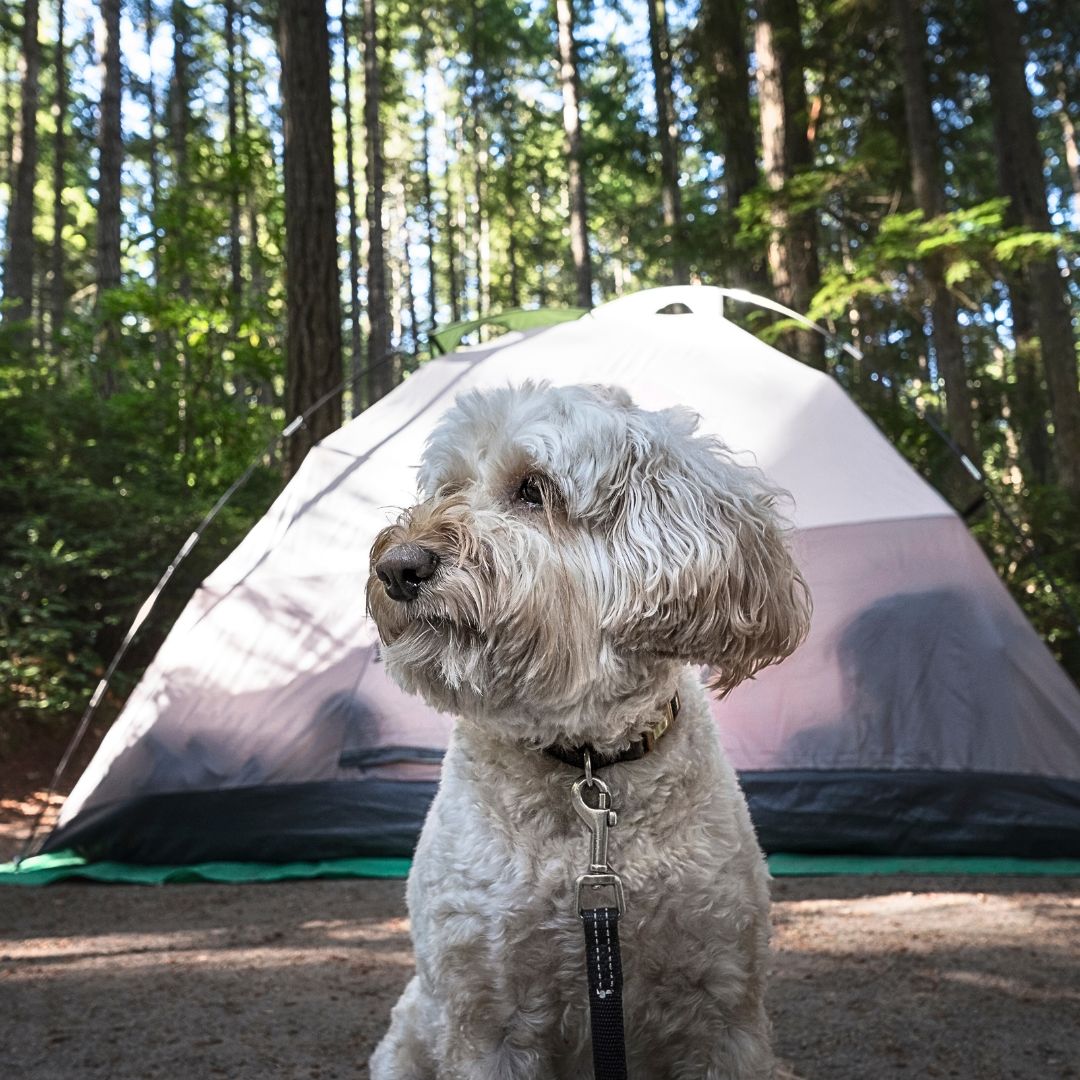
x: 569, y: 622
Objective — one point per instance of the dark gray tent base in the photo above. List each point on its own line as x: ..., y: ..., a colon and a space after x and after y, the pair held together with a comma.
x: 324, y: 819
x: 871, y: 812
x: 863, y: 812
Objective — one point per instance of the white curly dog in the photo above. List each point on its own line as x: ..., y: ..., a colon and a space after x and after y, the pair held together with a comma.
x: 571, y: 556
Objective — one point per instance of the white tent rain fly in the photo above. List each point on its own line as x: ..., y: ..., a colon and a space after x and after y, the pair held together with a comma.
x: 923, y: 715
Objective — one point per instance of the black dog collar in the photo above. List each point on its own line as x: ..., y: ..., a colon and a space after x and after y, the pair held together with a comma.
x: 638, y: 748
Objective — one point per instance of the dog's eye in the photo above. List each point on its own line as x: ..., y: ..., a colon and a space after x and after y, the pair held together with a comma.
x: 530, y: 491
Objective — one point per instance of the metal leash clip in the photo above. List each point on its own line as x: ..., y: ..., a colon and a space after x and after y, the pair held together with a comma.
x: 599, y: 818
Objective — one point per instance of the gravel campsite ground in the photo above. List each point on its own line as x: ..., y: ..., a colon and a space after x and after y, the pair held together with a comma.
x: 873, y: 978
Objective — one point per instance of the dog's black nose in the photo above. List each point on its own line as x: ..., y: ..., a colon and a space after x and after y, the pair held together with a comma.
x: 404, y: 568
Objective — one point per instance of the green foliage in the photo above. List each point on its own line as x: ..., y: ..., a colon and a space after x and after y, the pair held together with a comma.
x: 97, y: 499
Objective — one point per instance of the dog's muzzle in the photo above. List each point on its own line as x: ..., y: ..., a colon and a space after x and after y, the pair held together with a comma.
x: 404, y: 568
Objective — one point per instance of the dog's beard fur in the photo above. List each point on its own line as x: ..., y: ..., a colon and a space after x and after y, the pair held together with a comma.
x: 563, y: 622
x: 508, y: 625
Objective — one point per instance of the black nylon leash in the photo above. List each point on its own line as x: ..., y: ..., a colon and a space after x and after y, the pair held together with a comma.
x: 604, y: 965
x: 603, y: 961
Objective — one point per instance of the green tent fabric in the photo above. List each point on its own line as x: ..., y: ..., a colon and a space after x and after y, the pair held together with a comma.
x: 791, y: 865
x: 64, y: 866
x: 448, y: 339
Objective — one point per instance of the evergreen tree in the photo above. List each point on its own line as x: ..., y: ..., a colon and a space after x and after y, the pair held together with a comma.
x: 19, y: 264
x: 313, y: 337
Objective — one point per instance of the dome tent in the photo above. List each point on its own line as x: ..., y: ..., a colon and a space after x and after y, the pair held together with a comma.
x: 923, y: 715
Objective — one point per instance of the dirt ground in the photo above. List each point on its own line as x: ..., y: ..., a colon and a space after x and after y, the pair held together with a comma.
x: 872, y: 978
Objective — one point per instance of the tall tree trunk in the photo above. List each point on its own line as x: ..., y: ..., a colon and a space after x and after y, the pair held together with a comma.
x: 510, y: 205
x: 451, y: 252
x: 236, y: 271
x: 179, y: 132
x: 926, y: 183
x: 380, y: 370
x: 1068, y: 137
x: 429, y: 207
x: 1072, y: 149
x: 251, y: 204
x: 356, y: 354
x: 483, y: 225
x: 667, y: 131
x: 478, y: 137
x: 58, y: 291
x: 177, y: 249
x: 1030, y: 408
x: 394, y: 278
x: 150, y: 27
x: 571, y: 95
x: 1020, y: 168
x: 407, y: 282
x: 313, y: 333
x: 19, y: 265
x: 461, y: 219
x: 725, y: 30
x: 7, y: 119
x: 110, y: 161
x: 793, y: 259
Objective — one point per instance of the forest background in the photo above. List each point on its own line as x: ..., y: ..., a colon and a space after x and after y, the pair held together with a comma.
x: 213, y: 214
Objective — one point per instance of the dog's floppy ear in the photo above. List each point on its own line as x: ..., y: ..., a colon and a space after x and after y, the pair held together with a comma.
x: 703, y: 537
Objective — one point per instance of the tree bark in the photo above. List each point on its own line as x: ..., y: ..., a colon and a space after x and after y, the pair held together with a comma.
x: 482, y: 232
x: 1028, y: 399
x: 510, y: 205
x: 255, y: 261
x: 380, y: 369
x: 926, y: 184
x: 19, y: 265
x: 667, y: 131
x: 793, y: 259
x: 110, y: 162
x: 356, y: 345
x: 451, y: 252
x: 429, y: 208
x: 58, y: 285
x: 1072, y: 149
x: 150, y: 27
x: 1020, y: 168
x: 479, y: 140
x: 407, y: 281
x: 236, y: 271
x: 313, y: 333
x: 724, y: 31
x: 176, y: 248
x: 461, y: 216
x: 7, y: 118
x: 179, y: 126
x: 571, y: 96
